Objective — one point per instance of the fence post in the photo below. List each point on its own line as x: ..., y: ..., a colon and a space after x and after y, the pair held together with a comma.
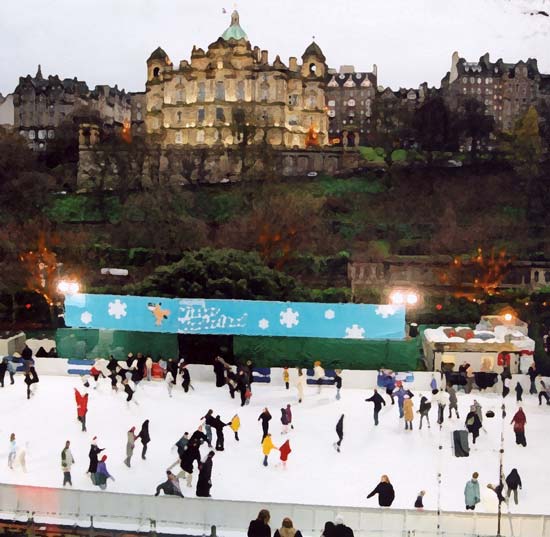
x: 212, y: 531
x: 30, y: 524
x: 152, y: 527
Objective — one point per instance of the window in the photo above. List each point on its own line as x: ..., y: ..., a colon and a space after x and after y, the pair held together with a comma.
x: 472, y: 80
x: 292, y: 120
x: 179, y: 137
x: 200, y: 115
x: 312, y: 100
x: 479, y: 80
x: 312, y: 68
x: 201, y: 92
x: 240, y: 91
x: 32, y: 135
x: 51, y: 134
x: 331, y: 113
x: 180, y: 96
x: 264, y: 91
x: 465, y: 80
x: 293, y: 100
x: 200, y: 136
x: 139, y: 116
x: 156, y: 72
x: 179, y: 117
x: 536, y: 276
x: 220, y: 116
x: 220, y: 91
x: 332, y: 103
x: 351, y: 102
x: 546, y: 276
x: 41, y: 134
x: 488, y: 81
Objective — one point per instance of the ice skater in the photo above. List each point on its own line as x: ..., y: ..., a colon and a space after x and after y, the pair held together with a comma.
x: 408, y: 412
x: 471, y: 493
x: 67, y: 461
x: 318, y: 375
x: 143, y: 435
x: 170, y: 382
x: 513, y: 482
x: 129, y: 392
x: 204, y: 481
x: 419, y: 502
x: 267, y: 446
x: 149, y: 368
x: 235, y: 425
x: 284, y: 452
x: 518, y: 421
x: 473, y: 425
x: 191, y: 454
x: 400, y: 393
x: 424, y: 410
x: 12, y: 452
x: 284, y: 421
x: 31, y: 378
x: 171, y: 486
x: 218, y: 425
x: 519, y: 392
x: 93, y: 456
x: 338, y: 382
x: 385, y: 492
x: 131, y: 438
x: 286, y: 377
x: 289, y: 416
x: 340, y: 433
x: 219, y: 372
x: 185, y: 377
x: 265, y: 416
x: 544, y: 393
x: 301, y: 384
x: 81, y: 407
x: 440, y: 398
x: 378, y: 402
x: 3, y: 369
x: 99, y: 478
x: 453, y: 401
x: 208, y: 424
x: 532, y: 373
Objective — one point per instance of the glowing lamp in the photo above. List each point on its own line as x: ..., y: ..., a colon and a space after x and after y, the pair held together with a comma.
x: 68, y: 287
x: 412, y: 299
x: 507, y: 317
x: 397, y: 298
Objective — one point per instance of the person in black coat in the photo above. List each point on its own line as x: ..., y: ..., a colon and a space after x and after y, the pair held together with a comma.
x: 473, y: 423
x: 93, y: 456
x: 260, y: 526
x: 533, y: 374
x: 128, y: 390
x: 340, y: 433
x: 340, y: 529
x: 186, y: 377
x: 385, y: 492
x: 242, y: 386
x: 170, y: 487
x: 204, y: 483
x: 198, y: 436
x: 231, y: 382
x: 378, y: 401
x: 113, y: 368
x: 144, y: 437
x: 3, y: 369
x: 191, y: 454
x: 513, y: 481
x: 519, y: 392
x: 31, y: 377
x: 265, y: 416
x: 26, y: 355
x: 219, y: 371
x: 218, y: 425
x: 172, y: 367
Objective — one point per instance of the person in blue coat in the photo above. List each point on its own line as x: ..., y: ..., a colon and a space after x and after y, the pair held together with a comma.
x: 400, y: 393
x: 471, y: 492
x: 99, y: 478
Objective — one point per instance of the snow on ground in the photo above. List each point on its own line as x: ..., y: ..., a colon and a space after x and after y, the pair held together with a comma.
x: 316, y: 473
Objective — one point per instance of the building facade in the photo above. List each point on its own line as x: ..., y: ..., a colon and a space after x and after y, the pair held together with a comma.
x: 231, y: 92
x: 7, y: 111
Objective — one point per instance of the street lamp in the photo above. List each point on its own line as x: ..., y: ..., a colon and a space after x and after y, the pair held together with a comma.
x: 407, y: 297
x: 68, y: 287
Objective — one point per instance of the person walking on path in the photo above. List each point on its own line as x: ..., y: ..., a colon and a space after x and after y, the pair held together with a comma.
x: 385, y: 492
x: 235, y: 425
x: 260, y: 526
x: 81, y: 407
x: 473, y: 425
x: 513, y: 482
x: 453, y: 401
x: 340, y: 433
x: 265, y: 416
x: 338, y: 382
x: 67, y: 460
x: 519, y: 392
x: 424, y: 410
x: 532, y: 373
x: 12, y: 451
x: 378, y: 402
x: 471, y: 492
x: 93, y: 456
x: 267, y: 446
x: 284, y: 452
x: 144, y: 437
x: 170, y: 487
x: 99, y: 478
x: 130, y: 445
x: 408, y: 412
x: 204, y: 482
x: 519, y: 420
x: 287, y: 529
x: 301, y: 384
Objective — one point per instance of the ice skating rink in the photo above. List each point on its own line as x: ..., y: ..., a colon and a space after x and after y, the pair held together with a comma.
x: 315, y: 473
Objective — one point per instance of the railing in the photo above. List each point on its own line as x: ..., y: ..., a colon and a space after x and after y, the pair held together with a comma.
x: 197, y: 516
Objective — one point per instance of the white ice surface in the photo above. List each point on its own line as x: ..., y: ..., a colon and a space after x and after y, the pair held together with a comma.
x: 316, y: 473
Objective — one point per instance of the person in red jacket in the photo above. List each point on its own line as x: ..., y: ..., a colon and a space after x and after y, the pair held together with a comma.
x: 519, y: 420
x: 81, y: 407
x: 284, y: 451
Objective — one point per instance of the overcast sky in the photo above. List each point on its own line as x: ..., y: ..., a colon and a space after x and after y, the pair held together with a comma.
x: 411, y: 41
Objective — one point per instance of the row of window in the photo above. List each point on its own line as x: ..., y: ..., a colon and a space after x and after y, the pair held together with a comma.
x: 41, y: 134
x: 479, y: 80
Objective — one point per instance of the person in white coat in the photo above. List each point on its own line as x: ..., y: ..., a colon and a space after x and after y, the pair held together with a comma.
x: 12, y: 450
x: 301, y: 384
x: 169, y: 379
x: 67, y: 460
x: 318, y: 374
x: 440, y: 398
x: 149, y: 367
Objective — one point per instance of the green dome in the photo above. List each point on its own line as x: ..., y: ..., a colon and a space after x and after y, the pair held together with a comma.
x: 235, y: 31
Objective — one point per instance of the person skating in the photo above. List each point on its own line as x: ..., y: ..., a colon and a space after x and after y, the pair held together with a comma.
x: 170, y: 382
x: 532, y: 374
x: 470, y: 378
x: 208, y: 424
x: 471, y: 492
x: 204, y: 482
x: 519, y: 420
x: 191, y: 454
x: 93, y: 456
x: 286, y: 377
x: 378, y: 402
x: 81, y: 407
x: 498, y: 490
x: 513, y: 482
x: 473, y: 425
x: 389, y: 377
x: 287, y: 529
x: 385, y: 492
x: 544, y: 393
x: 231, y: 381
x: 235, y: 425
x: 318, y: 375
x: 199, y: 437
x: 424, y: 410
x: 3, y: 369
x: 129, y: 392
x: 338, y: 382
x: 242, y: 386
x: 260, y: 526
x: 400, y: 393
x: 31, y: 378
x: 218, y: 425
x: 12, y: 369
x: 284, y: 421
x: 26, y: 355
x: 328, y: 530
x: 12, y: 452
x: 408, y: 412
x: 506, y: 378
x: 219, y: 372
x: 67, y: 460
x: 181, y: 446
x: 453, y: 401
x: 265, y: 416
x: 284, y: 452
x: 440, y: 398
x: 143, y: 435
x: 340, y: 433
x: 301, y: 382
x: 267, y: 446
x: 170, y: 487
x: 114, y: 370
x: 99, y: 478
x: 419, y: 502
x: 185, y: 377
x: 149, y: 368
x: 519, y: 392
x: 131, y: 438
x: 289, y: 416
x: 172, y: 368
x: 96, y: 371
x: 340, y: 529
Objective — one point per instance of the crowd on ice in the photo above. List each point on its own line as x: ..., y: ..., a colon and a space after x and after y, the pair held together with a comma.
x: 125, y: 377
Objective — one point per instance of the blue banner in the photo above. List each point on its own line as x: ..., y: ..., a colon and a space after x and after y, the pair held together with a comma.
x: 235, y: 317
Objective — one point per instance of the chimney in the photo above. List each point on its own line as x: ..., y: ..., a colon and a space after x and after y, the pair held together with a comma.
x: 264, y: 57
x: 454, y: 69
x: 293, y: 64
x: 375, y: 70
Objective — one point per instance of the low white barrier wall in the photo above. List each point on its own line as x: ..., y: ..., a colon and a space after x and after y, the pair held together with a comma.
x: 196, y: 516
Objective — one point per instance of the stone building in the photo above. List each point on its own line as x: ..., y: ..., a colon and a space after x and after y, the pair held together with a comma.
x: 232, y: 91
x: 349, y: 97
x: 507, y: 90
x: 42, y: 104
x: 7, y: 111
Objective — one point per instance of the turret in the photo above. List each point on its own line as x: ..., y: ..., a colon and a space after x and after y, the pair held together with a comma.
x: 156, y: 63
x: 313, y: 62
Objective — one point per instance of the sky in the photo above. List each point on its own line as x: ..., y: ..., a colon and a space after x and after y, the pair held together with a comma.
x: 411, y: 41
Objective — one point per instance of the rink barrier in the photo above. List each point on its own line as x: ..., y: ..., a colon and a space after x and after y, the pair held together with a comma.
x: 196, y: 515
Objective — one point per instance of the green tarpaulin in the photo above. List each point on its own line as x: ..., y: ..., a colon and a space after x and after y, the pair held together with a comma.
x: 334, y: 353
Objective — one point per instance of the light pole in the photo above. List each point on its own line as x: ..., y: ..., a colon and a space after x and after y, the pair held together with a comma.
x: 501, y: 467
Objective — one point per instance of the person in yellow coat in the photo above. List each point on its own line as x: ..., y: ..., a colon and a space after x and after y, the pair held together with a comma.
x: 235, y: 425
x: 408, y: 412
x: 267, y: 446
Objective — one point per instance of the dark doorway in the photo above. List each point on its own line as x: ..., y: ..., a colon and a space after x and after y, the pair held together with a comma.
x: 201, y: 349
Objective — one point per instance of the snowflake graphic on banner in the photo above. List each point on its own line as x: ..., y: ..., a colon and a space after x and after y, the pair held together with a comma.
x: 117, y: 309
x: 386, y: 310
x: 329, y: 314
x: 355, y: 332
x: 263, y: 324
x: 86, y: 317
x: 289, y: 318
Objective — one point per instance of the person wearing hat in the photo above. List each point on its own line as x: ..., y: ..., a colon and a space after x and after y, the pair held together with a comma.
x: 519, y: 420
x: 471, y: 492
x: 93, y: 456
x: 102, y: 474
x: 171, y: 486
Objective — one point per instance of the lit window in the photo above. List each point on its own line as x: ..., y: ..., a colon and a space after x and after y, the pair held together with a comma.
x: 51, y: 134
x: 472, y: 80
x: 479, y: 80
x: 41, y: 134
x: 465, y: 80
x: 332, y: 103
x: 179, y: 137
x: 351, y: 102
